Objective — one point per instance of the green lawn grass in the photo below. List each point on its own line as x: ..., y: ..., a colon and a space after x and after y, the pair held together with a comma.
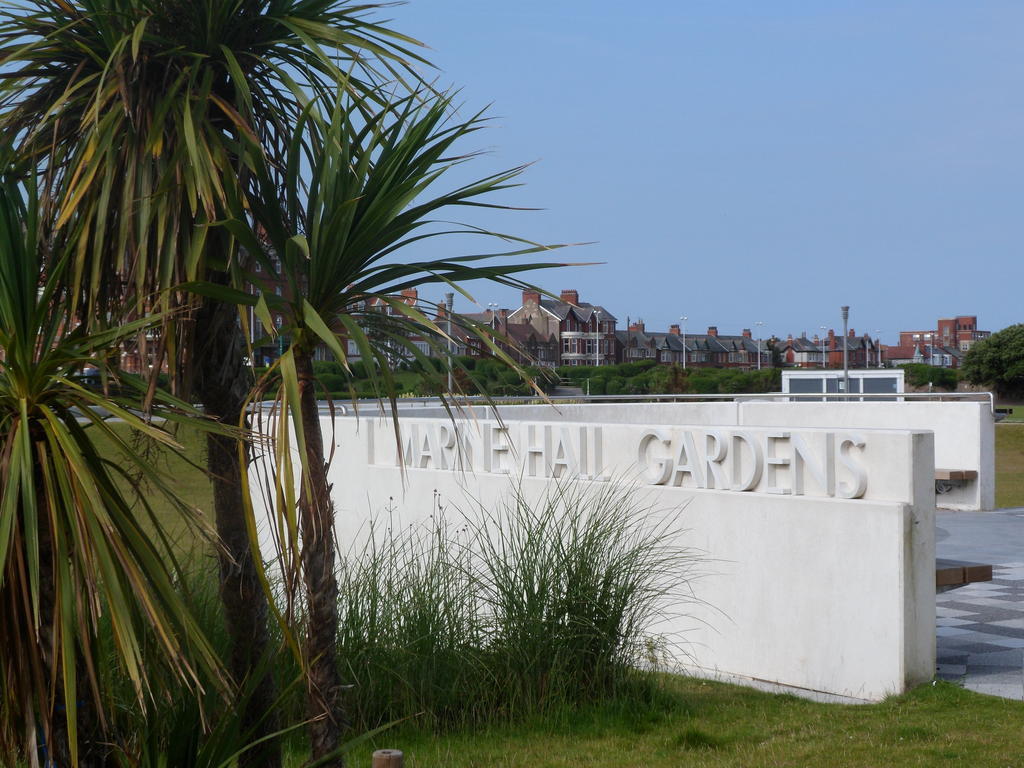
x: 1010, y: 464
x: 187, y: 479
x: 1015, y: 415
x: 699, y: 723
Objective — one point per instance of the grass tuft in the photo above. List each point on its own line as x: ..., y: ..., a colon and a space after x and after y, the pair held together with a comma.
x: 697, y: 739
x: 531, y: 606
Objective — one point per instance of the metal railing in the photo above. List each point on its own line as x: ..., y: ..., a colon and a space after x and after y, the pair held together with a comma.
x: 985, y: 397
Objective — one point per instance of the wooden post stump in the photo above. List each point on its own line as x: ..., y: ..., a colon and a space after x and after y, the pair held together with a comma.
x: 387, y: 758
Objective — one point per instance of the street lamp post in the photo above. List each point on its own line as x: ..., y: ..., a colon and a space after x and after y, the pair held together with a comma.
x: 824, y: 336
x: 846, y: 360
x: 760, y: 325
x: 684, y: 319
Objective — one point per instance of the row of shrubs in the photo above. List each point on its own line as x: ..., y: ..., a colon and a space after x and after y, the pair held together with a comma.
x: 646, y: 377
x: 471, y: 375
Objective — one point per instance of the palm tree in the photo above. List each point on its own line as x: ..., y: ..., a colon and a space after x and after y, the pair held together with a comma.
x: 76, y: 551
x: 369, y: 193
x: 144, y: 118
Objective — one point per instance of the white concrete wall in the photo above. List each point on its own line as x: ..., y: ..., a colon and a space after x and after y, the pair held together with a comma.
x: 964, y: 431
x: 964, y: 435
x: 803, y: 588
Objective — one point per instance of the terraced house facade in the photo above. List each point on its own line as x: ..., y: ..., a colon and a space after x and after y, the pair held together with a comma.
x: 585, y: 333
x: 700, y: 350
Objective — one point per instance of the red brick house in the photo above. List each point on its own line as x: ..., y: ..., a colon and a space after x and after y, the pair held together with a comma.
x: 585, y: 333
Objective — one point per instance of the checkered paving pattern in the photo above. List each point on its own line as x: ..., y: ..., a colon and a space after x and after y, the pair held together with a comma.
x: 980, y: 633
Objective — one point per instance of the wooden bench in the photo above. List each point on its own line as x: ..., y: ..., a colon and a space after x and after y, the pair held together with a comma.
x: 950, y: 574
x: 948, y: 479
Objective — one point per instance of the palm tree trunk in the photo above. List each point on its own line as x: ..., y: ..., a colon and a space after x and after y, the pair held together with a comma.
x: 55, y: 747
x: 223, y: 382
x: 318, y: 553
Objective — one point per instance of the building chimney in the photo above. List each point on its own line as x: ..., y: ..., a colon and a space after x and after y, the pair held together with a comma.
x: 637, y: 326
x: 747, y: 334
x: 713, y: 330
x: 410, y: 293
x: 531, y: 297
x: 503, y: 318
x: 789, y: 338
x: 674, y: 329
x: 571, y: 296
x: 853, y: 334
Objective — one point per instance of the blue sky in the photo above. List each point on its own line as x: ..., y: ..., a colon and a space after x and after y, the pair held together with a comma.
x: 743, y: 161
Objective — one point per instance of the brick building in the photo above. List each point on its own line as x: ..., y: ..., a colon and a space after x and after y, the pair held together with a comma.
x: 525, y: 344
x: 827, y: 351
x: 585, y: 333
x: 958, y: 333
x: 944, y: 346
x: 802, y: 352
x: 698, y: 350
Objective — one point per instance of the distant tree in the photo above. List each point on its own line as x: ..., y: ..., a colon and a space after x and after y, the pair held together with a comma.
x: 921, y: 375
x: 998, y: 361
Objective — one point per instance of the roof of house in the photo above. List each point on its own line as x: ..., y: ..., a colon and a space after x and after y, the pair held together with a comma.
x: 694, y: 342
x: 521, y: 334
x: 802, y: 344
x: 909, y: 352
x: 583, y: 310
x: 901, y: 353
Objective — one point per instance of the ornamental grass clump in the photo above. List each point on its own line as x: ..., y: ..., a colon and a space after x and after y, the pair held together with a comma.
x: 531, y: 605
x: 576, y: 583
x: 411, y: 631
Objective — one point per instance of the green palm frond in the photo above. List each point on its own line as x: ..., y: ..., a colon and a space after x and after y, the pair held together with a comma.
x: 360, y: 188
x: 369, y: 194
x: 143, y: 114
x: 76, y: 548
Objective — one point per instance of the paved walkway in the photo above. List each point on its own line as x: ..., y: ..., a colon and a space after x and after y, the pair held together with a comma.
x: 980, y: 633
